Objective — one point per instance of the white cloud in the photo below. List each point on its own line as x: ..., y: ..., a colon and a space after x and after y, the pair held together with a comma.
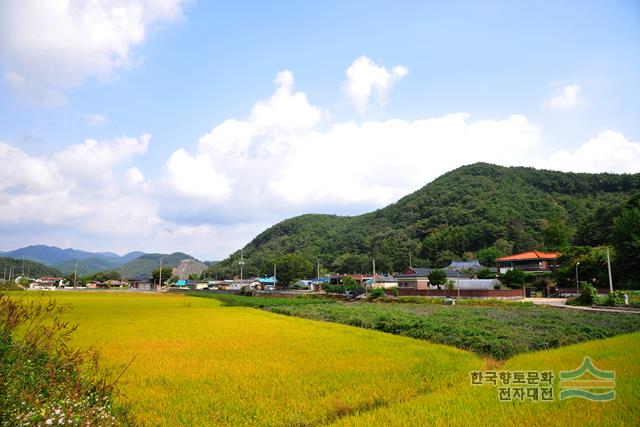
x: 610, y: 151
x: 135, y: 180
x: 196, y: 177
x: 568, y: 99
x: 95, y: 119
x: 48, y: 47
x: 93, y: 161
x: 73, y: 187
x: 285, y: 158
x: 280, y: 160
x: 366, y: 80
x: 21, y: 172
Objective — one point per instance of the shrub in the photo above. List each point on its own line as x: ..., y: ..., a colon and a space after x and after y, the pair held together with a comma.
x: 246, y: 290
x: 588, y: 297
x: 42, y: 380
x: 395, y: 292
x: 514, y: 278
x: 377, y: 293
x: 340, y: 289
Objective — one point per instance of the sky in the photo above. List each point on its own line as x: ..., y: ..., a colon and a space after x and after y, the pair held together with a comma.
x: 193, y: 125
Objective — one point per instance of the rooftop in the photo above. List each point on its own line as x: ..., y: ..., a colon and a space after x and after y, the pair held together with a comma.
x: 532, y: 255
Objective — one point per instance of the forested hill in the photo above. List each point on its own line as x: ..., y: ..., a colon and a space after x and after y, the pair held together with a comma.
x: 31, y: 268
x: 481, y: 207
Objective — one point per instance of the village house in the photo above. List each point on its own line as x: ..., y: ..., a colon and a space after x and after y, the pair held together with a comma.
x: 141, y: 283
x: 418, y: 278
x: 531, y: 262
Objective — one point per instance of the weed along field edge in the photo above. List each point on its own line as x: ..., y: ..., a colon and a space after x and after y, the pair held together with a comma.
x: 199, y: 361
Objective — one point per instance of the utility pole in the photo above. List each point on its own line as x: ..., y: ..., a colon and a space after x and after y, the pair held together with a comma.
x: 75, y: 276
x: 318, y: 270
x: 373, y: 283
x: 274, y: 274
x: 160, y: 278
x: 458, y: 282
x: 241, y: 265
x: 609, y: 268
x: 577, y: 282
x: 410, y: 266
x: 22, y: 267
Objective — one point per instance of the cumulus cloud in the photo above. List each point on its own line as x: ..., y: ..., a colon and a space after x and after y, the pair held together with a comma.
x: 366, y: 80
x: 610, y: 151
x: 73, y: 187
x: 93, y: 161
x: 48, y: 47
x: 568, y: 99
x: 280, y: 159
x: 196, y: 177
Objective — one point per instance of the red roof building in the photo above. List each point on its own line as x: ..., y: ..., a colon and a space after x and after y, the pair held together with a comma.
x: 533, y: 262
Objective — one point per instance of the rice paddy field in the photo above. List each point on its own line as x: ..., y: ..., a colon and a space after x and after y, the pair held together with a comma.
x: 198, y: 362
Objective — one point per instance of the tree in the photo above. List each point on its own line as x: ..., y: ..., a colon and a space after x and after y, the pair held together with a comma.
x: 485, y: 273
x: 292, y: 267
x: 504, y: 246
x: 444, y: 258
x: 438, y: 278
x: 103, y: 276
x: 556, y: 234
x: 487, y: 256
x: 626, y: 241
x: 166, y: 274
x: 514, y: 278
x: 349, y: 281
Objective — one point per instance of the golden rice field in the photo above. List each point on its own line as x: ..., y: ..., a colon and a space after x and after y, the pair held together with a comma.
x: 199, y: 363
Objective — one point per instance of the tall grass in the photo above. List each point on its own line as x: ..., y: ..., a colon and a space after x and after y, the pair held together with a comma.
x: 259, y: 302
x: 201, y: 363
x: 464, y: 405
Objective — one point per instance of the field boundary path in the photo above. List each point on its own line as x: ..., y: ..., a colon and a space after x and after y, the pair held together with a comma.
x: 562, y: 303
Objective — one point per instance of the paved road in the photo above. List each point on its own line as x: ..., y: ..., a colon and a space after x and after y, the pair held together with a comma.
x: 562, y: 303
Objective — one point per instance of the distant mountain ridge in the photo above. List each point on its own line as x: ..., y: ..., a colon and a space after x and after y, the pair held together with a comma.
x: 64, y: 260
x: 52, y: 255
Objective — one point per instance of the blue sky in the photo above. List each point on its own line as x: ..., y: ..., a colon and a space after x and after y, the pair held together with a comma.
x: 154, y: 84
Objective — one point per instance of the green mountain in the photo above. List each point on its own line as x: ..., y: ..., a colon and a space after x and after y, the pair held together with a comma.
x: 31, y: 268
x: 474, y: 207
x: 88, y: 266
x: 52, y: 255
x: 145, y: 264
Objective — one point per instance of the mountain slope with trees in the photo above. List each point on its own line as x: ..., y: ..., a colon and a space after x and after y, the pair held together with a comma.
x: 146, y: 264
x: 479, y: 210
x: 31, y: 268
